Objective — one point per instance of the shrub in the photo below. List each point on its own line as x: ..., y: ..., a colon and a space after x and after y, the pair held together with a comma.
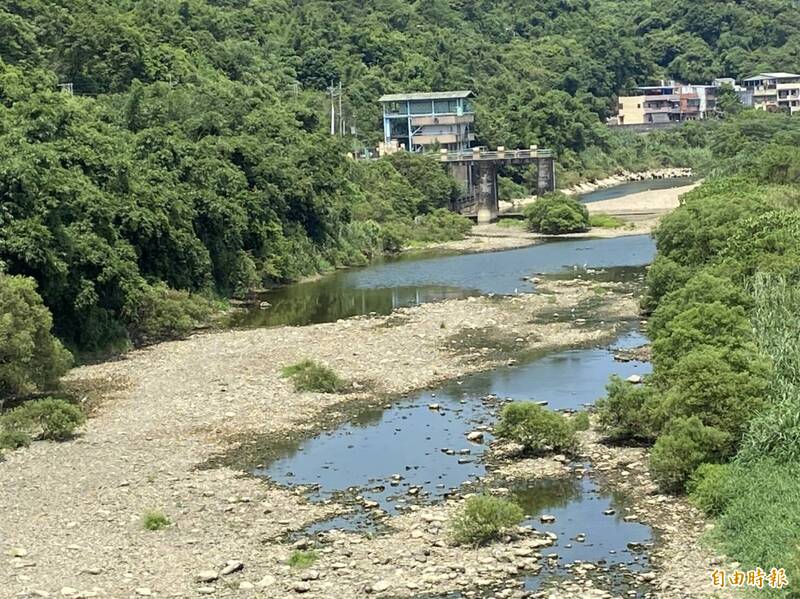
x: 710, y: 487
x: 556, y: 213
x: 663, y: 276
x: 581, y: 422
x: 52, y: 419
x: 155, y: 520
x: 705, y: 287
x: 712, y: 324
x: 483, y: 518
x: 302, y: 559
x: 686, y: 444
x: 440, y: 225
x: 310, y: 376
x: 605, y: 221
x: 14, y: 439
x: 162, y: 313
x: 538, y: 429
x: 724, y: 388
x: 627, y: 411
x: 30, y: 357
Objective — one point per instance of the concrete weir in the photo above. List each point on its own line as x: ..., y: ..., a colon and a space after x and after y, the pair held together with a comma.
x: 477, y: 170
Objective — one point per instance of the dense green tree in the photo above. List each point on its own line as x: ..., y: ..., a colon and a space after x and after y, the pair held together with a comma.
x: 30, y: 357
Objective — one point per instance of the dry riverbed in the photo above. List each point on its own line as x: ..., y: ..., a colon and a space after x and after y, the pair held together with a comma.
x: 72, y: 512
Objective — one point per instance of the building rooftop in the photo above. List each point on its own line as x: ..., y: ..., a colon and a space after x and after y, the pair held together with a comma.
x: 772, y: 76
x: 426, y: 96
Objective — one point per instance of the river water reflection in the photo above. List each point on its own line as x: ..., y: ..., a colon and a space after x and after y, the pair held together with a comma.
x: 411, y: 280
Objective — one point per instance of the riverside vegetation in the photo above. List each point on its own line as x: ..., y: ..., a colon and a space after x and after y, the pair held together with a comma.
x: 193, y: 163
x: 722, y: 407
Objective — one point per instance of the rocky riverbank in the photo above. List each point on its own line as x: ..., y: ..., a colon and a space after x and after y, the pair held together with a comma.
x: 628, y: 177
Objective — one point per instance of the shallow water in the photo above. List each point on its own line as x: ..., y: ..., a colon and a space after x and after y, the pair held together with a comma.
x: 411, y: 280
x: 634, y: 187
x: 382, y: 454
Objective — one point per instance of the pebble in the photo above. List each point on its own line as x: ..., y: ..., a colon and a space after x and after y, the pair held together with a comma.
x: 475, y: 436
x: 267, y: 581
x: 232, y: 566
x: 207, y: 576
x: 310, y: 575
x: 301, y: 587
x: 144, y: 591
x: 381, y: 586
x: 246, y: 586
x: 68, y: 591
x: 206, y: 590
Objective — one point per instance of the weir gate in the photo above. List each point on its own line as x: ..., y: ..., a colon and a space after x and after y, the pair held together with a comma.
x: 477, y: 170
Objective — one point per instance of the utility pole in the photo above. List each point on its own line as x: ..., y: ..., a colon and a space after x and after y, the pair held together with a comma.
x: 341, y: 112
x: 332, y: 90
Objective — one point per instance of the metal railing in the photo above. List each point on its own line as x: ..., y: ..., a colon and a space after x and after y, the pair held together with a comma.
x: 476, y: 154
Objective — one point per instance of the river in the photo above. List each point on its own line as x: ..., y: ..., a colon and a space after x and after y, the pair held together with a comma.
x: 414, y: 451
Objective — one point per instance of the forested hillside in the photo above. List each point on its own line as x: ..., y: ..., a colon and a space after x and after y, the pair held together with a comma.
x: 193, y: 160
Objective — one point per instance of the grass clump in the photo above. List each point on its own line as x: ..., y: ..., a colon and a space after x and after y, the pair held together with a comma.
x: 155, y: 520
x: 605, y: 221
x: 483, y: 518
x: 511, y: 223
x: 311, y: 376
x: 50, y: 419
x: 302, y: 559
x: 538, y: 429
x: 581, y: 422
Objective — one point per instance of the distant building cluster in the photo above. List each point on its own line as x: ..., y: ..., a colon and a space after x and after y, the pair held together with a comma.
x: 672, y: 102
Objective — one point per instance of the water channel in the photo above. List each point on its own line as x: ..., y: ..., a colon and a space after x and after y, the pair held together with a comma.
x: 415, y: 450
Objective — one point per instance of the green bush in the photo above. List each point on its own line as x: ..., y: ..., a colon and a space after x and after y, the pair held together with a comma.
x: 538, y: 429
x: 310, y: 376
x: 163, y: 313
x: 556, y: 213
x: 439, y: 226
x: 483, y: 518
x: 30, y: 357
x: 713, y: 324
x: 705, y: 287
x: 302, y: 559
x: 155, y: 520
x: 685, y: 445
x: 581, y: 422
x: 710, y: 487
x: 628, y: 412
x: 52, y: 419
x: 14, y: 439
x: 724, y: 388
x: 663, y: 277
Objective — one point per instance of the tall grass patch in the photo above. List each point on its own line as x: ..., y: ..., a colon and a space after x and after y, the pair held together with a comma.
x: 311, y: 376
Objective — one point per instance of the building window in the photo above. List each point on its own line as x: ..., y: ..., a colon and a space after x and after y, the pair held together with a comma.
x: 396, y: 108
x: 445, y: 106
x: 421, y: 107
